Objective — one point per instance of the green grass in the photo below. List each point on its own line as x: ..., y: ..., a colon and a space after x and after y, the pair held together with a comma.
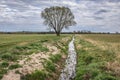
x: 114, y: 38
x: 92, y: 60
x: 8, y: 41
x: 49, y: 66
x: 14, y: 66
x: 37, y: 75
x: 9, y: 57
x: 4, y: 64
x: 19, y: 44
x: 14, y: 47
x: 2, y: 72
x: 55, y: 58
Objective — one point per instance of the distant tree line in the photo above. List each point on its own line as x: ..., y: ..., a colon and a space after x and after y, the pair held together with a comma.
x: 52, y: 32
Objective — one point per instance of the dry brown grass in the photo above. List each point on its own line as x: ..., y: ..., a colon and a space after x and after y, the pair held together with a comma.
x: 114, y: 67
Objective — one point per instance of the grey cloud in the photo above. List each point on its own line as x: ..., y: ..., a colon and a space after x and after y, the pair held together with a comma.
x: 87, y: 12
x: 98, y: 18
x: 101, y: 11
x: 105, y: 0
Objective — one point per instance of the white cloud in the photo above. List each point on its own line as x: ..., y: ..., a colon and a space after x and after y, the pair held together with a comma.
x: 69, y: 3
x: 88, y: 13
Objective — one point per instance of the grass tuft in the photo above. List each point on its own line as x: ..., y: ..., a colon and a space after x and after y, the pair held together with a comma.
x: 55, y: 58
x: 37, y: 75
x: 4, y: 64
x: 14, y: 66
x: 50, y: 66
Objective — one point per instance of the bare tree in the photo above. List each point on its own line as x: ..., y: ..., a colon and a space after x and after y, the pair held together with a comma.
x: 58, y: 18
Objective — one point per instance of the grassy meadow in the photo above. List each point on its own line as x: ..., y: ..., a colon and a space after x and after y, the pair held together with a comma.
x: 48, y: 48
x: 98, y: 57
x: 10, y: 40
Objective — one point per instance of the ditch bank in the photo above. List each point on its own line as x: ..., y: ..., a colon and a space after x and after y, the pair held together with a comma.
x: 68, y: 73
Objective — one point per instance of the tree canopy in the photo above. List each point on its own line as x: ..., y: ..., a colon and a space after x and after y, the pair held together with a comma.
x: 58, y: 18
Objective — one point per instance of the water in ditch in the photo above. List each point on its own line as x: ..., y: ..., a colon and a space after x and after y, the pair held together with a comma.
x: 68, y: 73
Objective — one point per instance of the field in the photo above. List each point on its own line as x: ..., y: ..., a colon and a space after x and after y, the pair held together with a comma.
x: 42, y: 57
x: 32, y: 56
x: 98, y: 57
x: 11, y: 40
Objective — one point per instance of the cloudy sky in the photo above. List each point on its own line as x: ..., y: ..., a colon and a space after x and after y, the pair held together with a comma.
x: 93, y: 15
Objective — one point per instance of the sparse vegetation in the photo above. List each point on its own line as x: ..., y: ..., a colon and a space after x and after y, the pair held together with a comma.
x: 4, y: 64
x: 98, y: 55
x: 14, y: 66
x: 37, y: 75
x: 2, y: 72
x: 9, y: 57
x: 16, y: 47
x: 49, y: 66
x: 93, y: 61
x: 55, y: 58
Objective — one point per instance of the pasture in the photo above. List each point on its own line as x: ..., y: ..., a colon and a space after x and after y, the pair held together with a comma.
x: 98, y: 57
x: 32, y: 55
x: 42, y: 57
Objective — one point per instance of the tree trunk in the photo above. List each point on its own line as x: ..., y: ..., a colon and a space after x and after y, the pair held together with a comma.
x: 58, y: 34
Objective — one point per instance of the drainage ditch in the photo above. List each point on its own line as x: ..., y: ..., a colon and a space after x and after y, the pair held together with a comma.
x: 68, y: 73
